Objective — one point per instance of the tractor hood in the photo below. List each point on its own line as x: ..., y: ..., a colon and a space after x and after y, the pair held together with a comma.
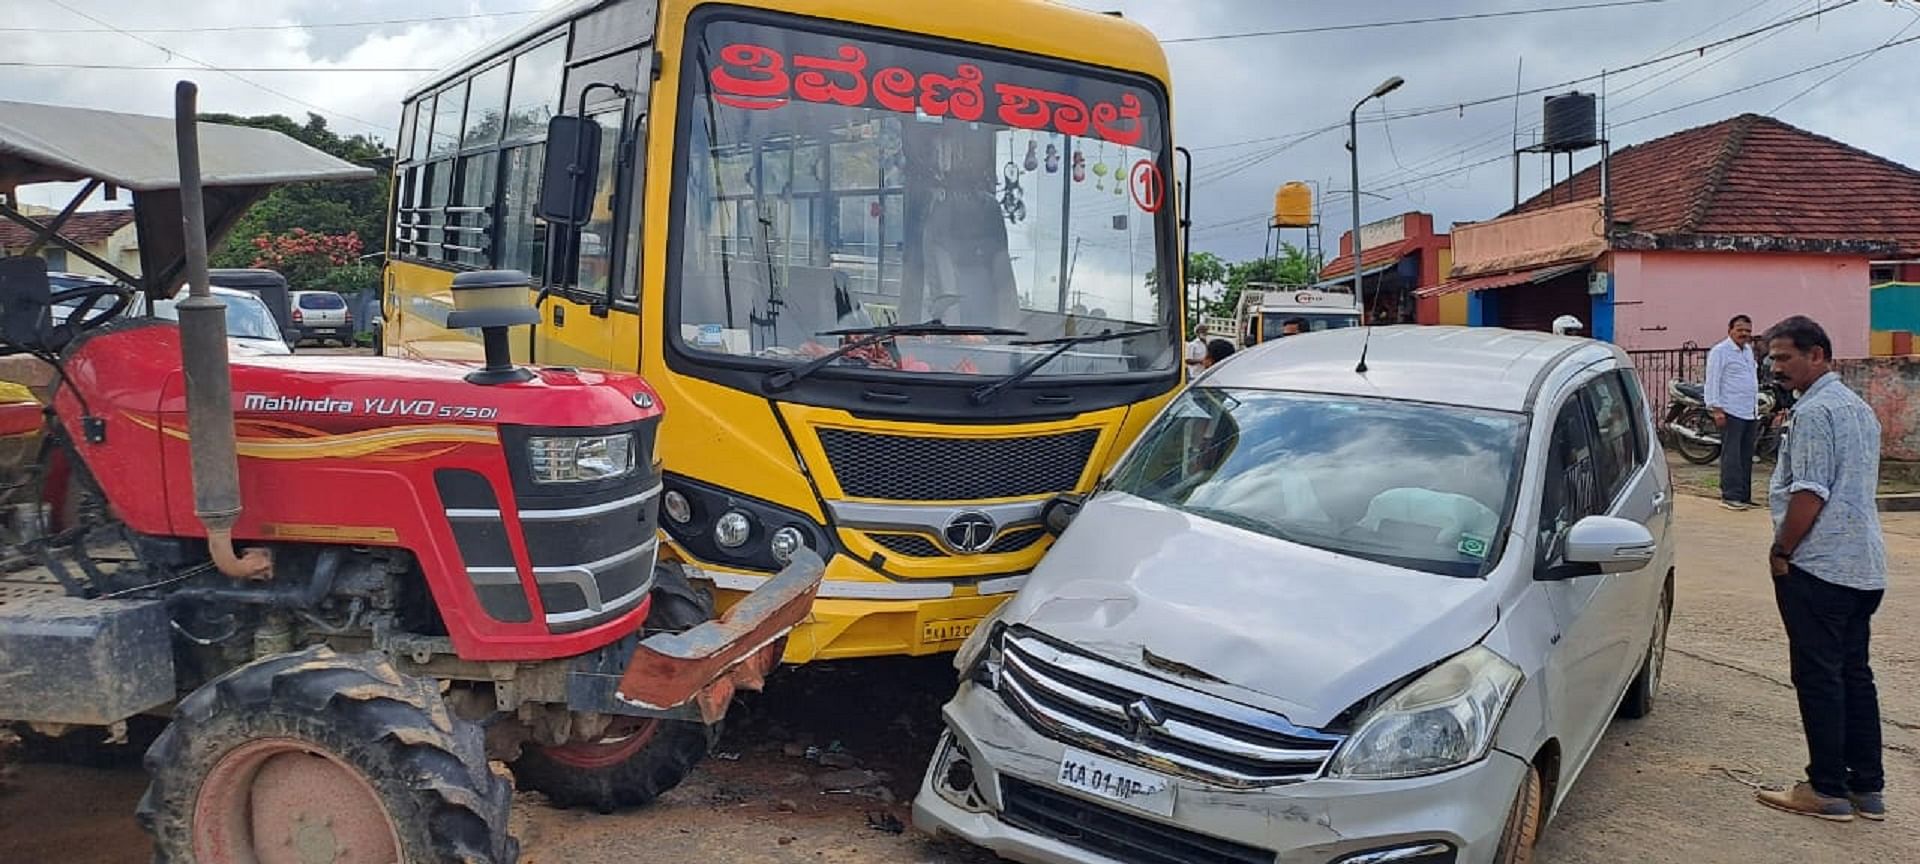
x: 136, y: 368
x: 1247, y: 617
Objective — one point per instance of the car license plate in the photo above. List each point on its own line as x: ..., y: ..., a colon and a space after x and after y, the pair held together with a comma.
x: 1118, y: 782
x: 948, y: 631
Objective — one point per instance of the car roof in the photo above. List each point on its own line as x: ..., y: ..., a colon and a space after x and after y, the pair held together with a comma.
x: 1479, y: 367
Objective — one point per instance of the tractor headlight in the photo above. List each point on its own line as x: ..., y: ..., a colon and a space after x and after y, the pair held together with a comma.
x: 580, y: 459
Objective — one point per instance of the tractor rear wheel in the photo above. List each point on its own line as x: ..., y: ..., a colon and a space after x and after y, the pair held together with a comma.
x: 319, y: 756
x: 637, y: 761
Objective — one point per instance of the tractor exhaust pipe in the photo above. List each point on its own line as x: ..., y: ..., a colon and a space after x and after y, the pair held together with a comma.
x: 203, y: 358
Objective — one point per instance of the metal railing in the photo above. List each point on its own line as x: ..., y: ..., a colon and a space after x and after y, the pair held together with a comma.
x: 1656, y: 368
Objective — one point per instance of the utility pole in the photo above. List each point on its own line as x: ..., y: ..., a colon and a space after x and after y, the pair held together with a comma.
x: 1353, y: 147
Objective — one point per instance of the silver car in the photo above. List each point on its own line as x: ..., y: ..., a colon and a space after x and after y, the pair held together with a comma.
x: 1355, y: 597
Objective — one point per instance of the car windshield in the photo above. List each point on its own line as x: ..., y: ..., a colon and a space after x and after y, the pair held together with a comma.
x: 247, y: 317
x: 1419, y: 486
x: 838, y: 182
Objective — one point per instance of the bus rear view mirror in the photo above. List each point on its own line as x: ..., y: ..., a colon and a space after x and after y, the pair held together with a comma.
x: 573, y: 155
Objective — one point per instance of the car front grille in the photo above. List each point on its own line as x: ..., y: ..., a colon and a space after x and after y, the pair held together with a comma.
x: 1116, y: 835
x: 919, y: 468
x: 1095, y: 704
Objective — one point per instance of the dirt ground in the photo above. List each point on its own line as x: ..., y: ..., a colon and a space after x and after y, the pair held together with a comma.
x: 1670, y: 789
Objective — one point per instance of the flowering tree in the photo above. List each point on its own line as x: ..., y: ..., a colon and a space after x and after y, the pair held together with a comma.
x: 305, y: 257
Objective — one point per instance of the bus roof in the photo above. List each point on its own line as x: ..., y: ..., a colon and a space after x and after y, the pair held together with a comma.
x: 539, y: 26
x: 1101, y: 38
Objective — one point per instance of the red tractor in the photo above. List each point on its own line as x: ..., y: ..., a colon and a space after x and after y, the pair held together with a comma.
x: 436, y: 565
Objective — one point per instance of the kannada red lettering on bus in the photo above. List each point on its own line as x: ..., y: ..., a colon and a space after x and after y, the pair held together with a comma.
x: 1106, y: 118
x: 763, y: 85
x: 814, y: 85
x: 959, y: 96
x: 756, y: 78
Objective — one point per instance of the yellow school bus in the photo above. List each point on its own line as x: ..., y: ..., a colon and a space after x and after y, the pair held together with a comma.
x: 903, y: 271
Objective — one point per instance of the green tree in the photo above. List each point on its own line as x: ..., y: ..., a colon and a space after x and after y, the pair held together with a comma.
x: 1293, y: 266
x: 358, y: 208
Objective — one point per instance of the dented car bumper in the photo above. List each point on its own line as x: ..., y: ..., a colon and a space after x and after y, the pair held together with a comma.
x: 1008, y: 798
x: 704, y: 666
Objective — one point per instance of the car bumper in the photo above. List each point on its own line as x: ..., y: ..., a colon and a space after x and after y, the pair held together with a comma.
x: 1314, y: 822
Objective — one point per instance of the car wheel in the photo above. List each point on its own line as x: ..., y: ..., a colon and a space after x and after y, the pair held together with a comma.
x: 1646, y: 685
x: 1523, y: 823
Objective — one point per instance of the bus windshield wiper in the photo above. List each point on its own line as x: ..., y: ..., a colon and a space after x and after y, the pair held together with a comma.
x: 986, y: 392
x: 781, y: 379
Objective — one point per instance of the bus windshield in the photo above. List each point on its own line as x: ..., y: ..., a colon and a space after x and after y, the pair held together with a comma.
x: 835, y: 183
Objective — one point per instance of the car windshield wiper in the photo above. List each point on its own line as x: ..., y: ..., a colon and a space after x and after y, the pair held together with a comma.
x: 986, y: 392
x: 781, y: 379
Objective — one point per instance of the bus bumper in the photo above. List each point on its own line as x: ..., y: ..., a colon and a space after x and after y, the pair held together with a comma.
x: 853, y: 617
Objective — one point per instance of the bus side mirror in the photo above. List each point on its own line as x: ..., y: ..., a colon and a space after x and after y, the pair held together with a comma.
x: 573, y: 156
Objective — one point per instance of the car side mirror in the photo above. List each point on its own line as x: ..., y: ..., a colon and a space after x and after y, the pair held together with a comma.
x: 573, y: 158
x: 1603, y: 544
x: 1058, y: 513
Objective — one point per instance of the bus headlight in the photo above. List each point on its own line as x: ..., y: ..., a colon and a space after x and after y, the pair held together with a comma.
x: 580, y: 459
x: 732, y: 529
x: 784, y: 543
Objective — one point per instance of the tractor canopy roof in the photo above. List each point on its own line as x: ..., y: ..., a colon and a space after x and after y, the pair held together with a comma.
x: 51, y: 143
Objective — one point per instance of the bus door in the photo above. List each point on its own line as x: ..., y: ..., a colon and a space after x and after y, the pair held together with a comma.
x: 590, y: 311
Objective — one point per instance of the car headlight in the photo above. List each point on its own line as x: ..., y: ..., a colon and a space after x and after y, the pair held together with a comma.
x: 1445, y: 719
x: 580, y: 459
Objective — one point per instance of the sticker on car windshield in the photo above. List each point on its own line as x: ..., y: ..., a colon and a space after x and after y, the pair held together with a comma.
x: 1474, y: 546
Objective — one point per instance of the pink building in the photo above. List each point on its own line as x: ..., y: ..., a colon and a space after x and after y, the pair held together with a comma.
x: 1747, y: 216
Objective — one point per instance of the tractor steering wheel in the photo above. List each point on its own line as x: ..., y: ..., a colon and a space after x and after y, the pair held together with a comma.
x: 85, y: 316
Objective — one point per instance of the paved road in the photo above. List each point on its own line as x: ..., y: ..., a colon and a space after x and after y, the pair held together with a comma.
x: 1666, y: 790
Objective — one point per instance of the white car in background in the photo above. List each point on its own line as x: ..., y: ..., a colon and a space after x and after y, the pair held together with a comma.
x: 320, y: 316
x: 250, y: 325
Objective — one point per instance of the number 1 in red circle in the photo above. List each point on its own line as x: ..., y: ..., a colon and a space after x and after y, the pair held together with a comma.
x: 1149, y: 190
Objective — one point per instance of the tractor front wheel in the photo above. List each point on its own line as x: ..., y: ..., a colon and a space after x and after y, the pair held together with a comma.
x: 636, y: 761
x: 319, y: 756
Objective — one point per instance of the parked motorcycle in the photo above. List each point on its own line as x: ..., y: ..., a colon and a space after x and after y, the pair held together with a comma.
x: 1694, y: 433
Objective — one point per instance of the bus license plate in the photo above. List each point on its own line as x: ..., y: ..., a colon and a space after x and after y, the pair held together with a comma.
x: 1118, y: 782
x: 948, y: 631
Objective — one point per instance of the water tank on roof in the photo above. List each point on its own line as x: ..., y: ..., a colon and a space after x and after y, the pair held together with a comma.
x: 1570, y: 123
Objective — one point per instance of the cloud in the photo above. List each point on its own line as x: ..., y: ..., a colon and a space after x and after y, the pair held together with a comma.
x: 1225, y: 91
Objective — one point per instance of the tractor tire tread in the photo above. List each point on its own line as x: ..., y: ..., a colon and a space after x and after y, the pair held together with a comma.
x: 432, y: 775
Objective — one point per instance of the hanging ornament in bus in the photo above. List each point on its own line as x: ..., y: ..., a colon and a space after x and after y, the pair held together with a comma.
x: 757, y: 78
x: 1053, y: 158
x: 1100, y: 169
x: 1079, y: 166
x: 1033, y: 155
x: 1011, y: 196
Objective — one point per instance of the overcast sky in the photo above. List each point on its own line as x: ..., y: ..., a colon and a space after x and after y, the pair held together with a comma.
x: 1240, y: 103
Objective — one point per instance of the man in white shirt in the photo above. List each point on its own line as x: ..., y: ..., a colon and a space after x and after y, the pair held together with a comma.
x: 1197, y: 350
x: 1733, y: 395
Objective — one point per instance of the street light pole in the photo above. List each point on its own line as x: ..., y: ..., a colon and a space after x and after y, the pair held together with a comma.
x: 1353, y: 148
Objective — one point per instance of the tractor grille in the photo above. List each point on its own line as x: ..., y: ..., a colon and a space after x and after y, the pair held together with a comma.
x: 1115, y: 835
x: 916, y: 468
x: 1085, y: 702
x: 916, y: 546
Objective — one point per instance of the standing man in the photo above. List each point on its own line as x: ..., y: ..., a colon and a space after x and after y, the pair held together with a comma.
x: 1829, y: 567
x: 1733, y: 395
x: 1197, y: 350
